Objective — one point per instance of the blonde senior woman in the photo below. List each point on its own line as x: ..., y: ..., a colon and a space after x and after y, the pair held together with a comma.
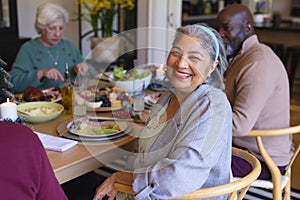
x: 41, y: 62
x: 186, y: 144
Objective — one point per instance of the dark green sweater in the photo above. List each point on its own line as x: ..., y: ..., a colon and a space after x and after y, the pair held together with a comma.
x: 34, y: 56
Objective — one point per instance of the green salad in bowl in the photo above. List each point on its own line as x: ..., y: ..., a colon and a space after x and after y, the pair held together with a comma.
x: 135, y: 74
x: 137, y: 78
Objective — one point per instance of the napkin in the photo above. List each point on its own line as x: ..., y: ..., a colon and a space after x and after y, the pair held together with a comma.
x: 55, y: 143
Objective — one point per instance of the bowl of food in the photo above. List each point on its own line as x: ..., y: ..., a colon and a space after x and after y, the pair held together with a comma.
x: 132, y: 81
x: 39, y: 111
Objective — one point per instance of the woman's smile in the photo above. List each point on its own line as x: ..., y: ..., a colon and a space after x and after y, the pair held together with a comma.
x: 182, y: 75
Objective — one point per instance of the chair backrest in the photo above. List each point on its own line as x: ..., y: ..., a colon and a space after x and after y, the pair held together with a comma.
x: 234, y: 189
x: 277, y: 179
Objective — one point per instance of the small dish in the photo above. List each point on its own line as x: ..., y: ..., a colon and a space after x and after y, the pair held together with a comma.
x: 94, y: 104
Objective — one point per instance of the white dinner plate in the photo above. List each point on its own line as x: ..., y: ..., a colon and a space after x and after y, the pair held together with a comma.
x: 93, y: 125
x: 96, y: 140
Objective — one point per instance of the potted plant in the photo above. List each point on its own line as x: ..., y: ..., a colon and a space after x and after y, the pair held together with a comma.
x: 259, y: 12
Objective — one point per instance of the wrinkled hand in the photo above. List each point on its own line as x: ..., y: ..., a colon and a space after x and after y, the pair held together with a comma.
x: 106, y: 188
x: 81, y: 68
x: 50, y: 73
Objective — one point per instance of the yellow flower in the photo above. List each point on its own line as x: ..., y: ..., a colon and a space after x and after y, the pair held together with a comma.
x: 103, y: 10
x: 106, y: 4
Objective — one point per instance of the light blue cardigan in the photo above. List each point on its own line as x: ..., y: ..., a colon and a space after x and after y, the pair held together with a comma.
x: 192, y: 152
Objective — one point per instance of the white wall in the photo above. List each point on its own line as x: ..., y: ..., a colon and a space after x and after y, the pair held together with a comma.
x: 26, y: 18
x: 282, y: 6
x: 161, y: 17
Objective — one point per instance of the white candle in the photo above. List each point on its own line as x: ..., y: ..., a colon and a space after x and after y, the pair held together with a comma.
x: 9, y: 110
x: 160, y: 73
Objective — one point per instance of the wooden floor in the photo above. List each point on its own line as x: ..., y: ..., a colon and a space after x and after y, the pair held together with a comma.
x: 295, y: 120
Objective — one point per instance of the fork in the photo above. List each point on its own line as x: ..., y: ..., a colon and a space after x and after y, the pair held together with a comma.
x: 74, y: 125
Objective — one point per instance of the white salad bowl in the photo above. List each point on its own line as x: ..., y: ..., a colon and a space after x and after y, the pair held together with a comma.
x: 133, y: 85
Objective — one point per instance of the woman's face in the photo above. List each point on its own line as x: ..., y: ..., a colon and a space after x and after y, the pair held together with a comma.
x: 189, y: 64
x: 53, y: 32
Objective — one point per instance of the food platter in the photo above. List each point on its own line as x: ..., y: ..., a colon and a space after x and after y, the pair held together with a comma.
x: 49, y: 95
x: 111, y: 98
x: 95, y: 129
x: 101, y: 139
x: 61, y: 128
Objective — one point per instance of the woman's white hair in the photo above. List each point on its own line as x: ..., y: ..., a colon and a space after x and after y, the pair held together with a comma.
x: 47, y: 13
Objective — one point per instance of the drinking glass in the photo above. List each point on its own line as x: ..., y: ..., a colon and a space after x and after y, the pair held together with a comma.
x: 138, y: 96
x: 79, y: 103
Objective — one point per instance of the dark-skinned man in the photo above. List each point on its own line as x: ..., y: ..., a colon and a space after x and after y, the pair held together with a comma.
x: 257, y: 87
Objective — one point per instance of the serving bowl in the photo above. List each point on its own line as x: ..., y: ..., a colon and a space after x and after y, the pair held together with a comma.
x: 135, y: 85
x: 39, y: 111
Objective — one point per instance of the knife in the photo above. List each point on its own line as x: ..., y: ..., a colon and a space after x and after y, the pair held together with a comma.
x: 98, y: 118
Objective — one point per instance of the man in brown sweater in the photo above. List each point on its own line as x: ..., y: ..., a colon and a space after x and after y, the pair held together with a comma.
x: 257, y: 88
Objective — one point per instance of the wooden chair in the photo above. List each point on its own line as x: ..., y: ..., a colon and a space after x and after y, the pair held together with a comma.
x: 279, y: 183
x: 236, y: 189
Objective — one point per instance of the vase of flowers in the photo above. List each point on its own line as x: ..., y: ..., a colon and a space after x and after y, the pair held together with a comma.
x: 103, y: 12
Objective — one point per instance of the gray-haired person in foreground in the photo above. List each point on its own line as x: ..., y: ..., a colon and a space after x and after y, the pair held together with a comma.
x: 186, y: 144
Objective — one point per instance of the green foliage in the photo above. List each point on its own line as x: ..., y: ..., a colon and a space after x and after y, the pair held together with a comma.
x: 5, y: 85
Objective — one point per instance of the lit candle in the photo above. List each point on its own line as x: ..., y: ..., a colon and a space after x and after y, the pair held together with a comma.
x: 9, y: 110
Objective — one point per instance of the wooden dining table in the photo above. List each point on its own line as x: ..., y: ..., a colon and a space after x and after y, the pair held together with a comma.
x: 85, y: 157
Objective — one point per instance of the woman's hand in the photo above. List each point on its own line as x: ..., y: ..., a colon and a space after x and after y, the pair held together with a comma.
x: 50, y: 73
x: 81, y: 68
x: 106, y: 188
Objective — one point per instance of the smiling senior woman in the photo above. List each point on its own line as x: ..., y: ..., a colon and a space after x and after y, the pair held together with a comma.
x: 186, y: 144
x: 41, y: 62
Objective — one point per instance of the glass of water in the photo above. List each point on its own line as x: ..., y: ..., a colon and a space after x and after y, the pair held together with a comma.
x: 79, y: 103
x: 138, y: 97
